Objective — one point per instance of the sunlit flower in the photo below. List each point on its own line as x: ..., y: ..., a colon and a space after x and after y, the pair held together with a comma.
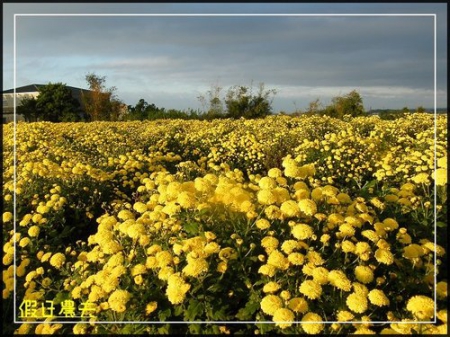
x: 270, y: 304
x: 421, y: 306
x: 310, y: 289
x: 282, y: 317
x: 378, y: 297
x: 312, y: 328
x: 357, y: 302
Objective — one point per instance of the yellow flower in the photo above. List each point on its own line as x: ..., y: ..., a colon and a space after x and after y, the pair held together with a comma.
x: 118, y: 300
x: 266, y: 197
x: 378, y: 297
x: 413, y: 251
x: 290, y: 209
x: 320, y: 275
x: 222, y: 267
x: 308, y: 207
x: 268, y: 182
x: 176, y: 288
x: 271, y: 287
x: 269, y: 243
x: 421, y: 306
x: 442, y: 289
x: 195, y: 267
x: 357, y: 302
x: 289, y: 246
x: 282, y: 317
x: 267, y: 269
x: 150, y: 307
x: 33, y: 231
x: 390, y: 224
x: 338, y: 279
x: 344, y: 316
x: 310, y: 289
x: 140, y: 207
x: 298, y: 304
x: 364, y: 274
x: 165, y: 272
x: 24, y: 242
x: 384, y: 256
x: 440, y: 176
x: 270, y: 304
x: 273, y: 173
x: 302, y: 231
x: 57, y: 260
x: 227, y: 253
x: 7, y: 216
x: 262, y: 224
x: 312, y: 328
x: 421, y: 178
x: 347, y: 246
x: 278, y: 260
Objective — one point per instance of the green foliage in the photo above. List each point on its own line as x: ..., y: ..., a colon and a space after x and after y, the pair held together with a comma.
x: 241, y: 102
x: 28, y: 109
x: 101, y: 103
x: 55, y: 104
x: 347, y: 105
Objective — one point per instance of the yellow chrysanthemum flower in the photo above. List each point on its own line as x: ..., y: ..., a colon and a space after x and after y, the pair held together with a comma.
x: 118, y: 299
x: 421, y: 306
x: 357, y: 302
x: 302, y: 231
x: 150, y: 307
x: 271, y: 287
x: 338, y: 279
x: 270, y: 304
x: 311, y: 289
x: 57, y: 260
x: 378, y: 297
x: 298, y: 304
x: 312, y: 328
x: 283, y: 318
x: 176, y: 288
x: 364, y: 274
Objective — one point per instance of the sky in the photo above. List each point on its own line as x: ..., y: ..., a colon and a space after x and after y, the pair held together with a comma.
x: 172, y: 60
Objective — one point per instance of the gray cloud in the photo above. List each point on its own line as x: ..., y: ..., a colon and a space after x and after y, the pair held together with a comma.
x: 165, y: 57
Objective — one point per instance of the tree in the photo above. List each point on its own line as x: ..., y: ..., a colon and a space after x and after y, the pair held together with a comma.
x: 100, y: 103
x: 350, y: 104
x: 213, y: 104
x: 56, y: 104
x: 28, y: 109
x: 241, y: 102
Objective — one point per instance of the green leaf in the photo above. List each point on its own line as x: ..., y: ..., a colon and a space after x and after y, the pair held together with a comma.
x: 441, y: 224
x: 164, y: 330
x: 194, y: 309
x: 246, y: 313
x: 164, y: 314
x: 178, y: 310
x: 191, y: 228
x: 194, y: 328
x: 60, y: 297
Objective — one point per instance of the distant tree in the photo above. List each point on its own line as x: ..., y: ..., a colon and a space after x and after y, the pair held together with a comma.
x: 350, y: 104
x: 405, y: 109
x: 314, y: 107
x: 28, y: 109
x: 421, y: 109
x: 241, y: 102
x: 101, y: 103
x: 212, y: 103
x: 55, y: 103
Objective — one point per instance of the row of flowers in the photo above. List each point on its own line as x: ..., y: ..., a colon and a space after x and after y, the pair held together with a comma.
x: 130, y: 217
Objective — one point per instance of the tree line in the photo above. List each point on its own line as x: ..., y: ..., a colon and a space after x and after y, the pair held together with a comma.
x: 55, y: 103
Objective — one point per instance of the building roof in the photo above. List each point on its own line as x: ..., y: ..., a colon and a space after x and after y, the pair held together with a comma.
x: 35, y: 88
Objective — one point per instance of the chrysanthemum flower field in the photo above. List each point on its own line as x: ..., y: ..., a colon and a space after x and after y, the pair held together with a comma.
x: 280, y: 225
